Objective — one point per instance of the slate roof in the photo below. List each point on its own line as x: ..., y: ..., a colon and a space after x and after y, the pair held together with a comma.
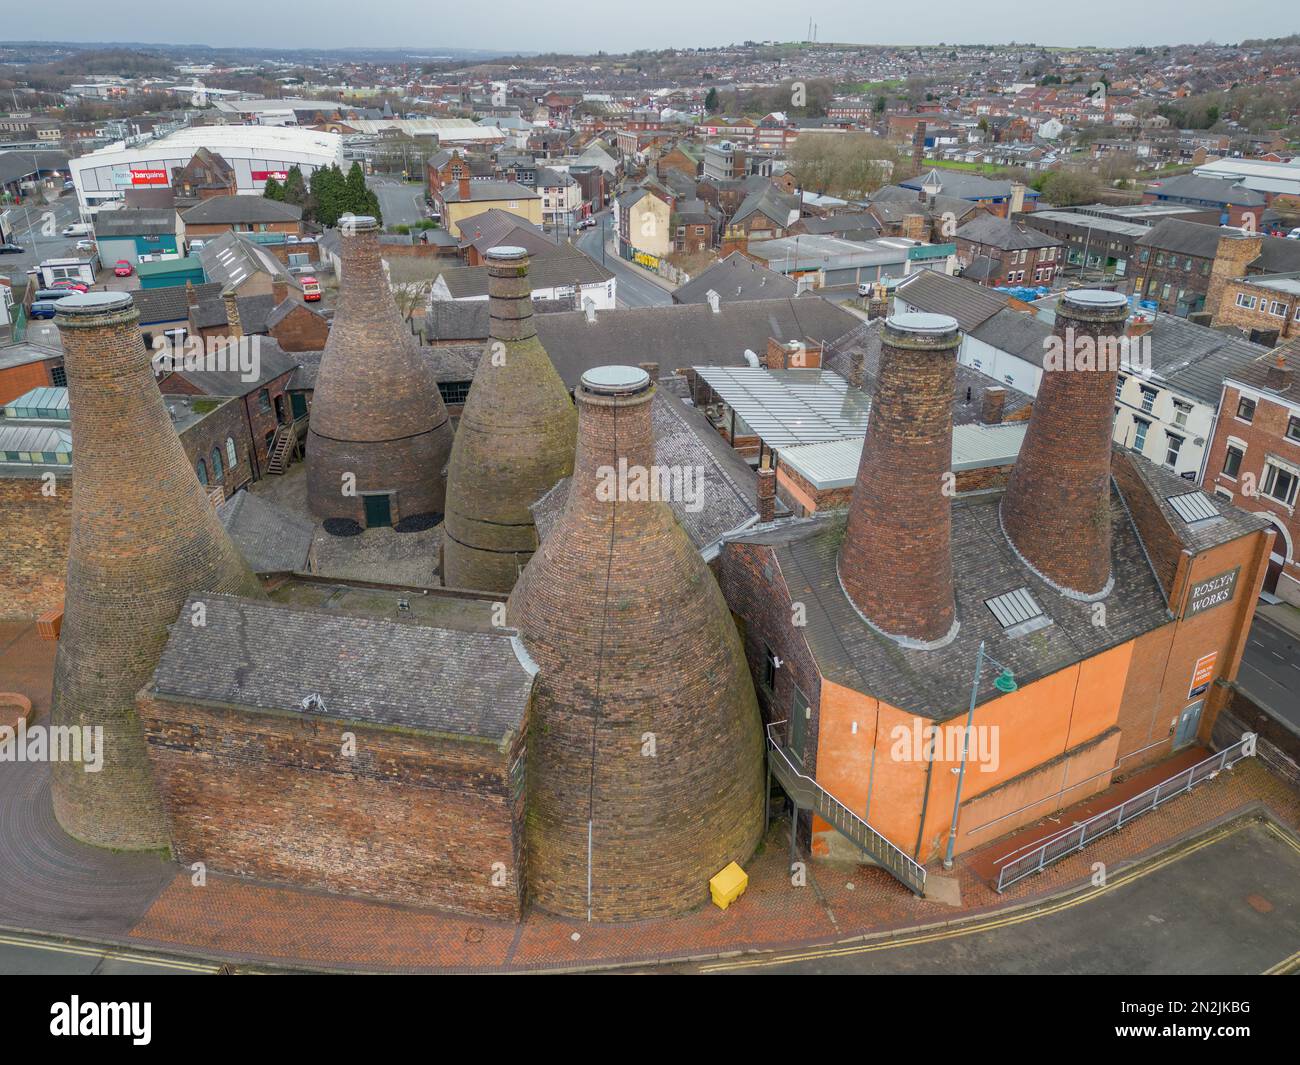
x: 271, y: 539
x: 894, y: 201
x: 848, y: 226
x: 736, y: 277
x: 490, y: 190
x: 1276, y: 254
x: 369, y: 670
x: 210, y: 312
x: 936, y: 293
x: 936, y: 683
x: 229, y: 210
x: 1002, y: 233
x: 272, y: 361
x: 681, y: 335
x: 962, y: 185
x: 771, y: 202
x: 135, y: 221
x: 1020, y: 334
x: 232, y: 259
x: 171, y: 303
x: 559, y: 266
x: 684, y: 439
x: 1215, y: 190
x: 457, y: 320
x: 497, y: 227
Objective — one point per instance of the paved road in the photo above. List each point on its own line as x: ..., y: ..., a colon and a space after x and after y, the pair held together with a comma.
x: 402, y: 204
x: 1224, y: 904
x: 1270, y: 669
x: 634, y: 288
x: 29, y: 224
x: 28, y: 955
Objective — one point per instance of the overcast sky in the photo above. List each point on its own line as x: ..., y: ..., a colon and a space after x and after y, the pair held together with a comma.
x: 626, y: 25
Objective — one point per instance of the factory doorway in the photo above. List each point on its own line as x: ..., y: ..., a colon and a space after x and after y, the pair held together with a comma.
x: 800, y: 712
x: 1188, y: 723
x: 379, y: 509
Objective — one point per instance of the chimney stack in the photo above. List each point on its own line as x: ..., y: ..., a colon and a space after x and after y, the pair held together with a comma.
x: 191, y: 294
x: 463, y: 187
x: 514, y: 442
x: 766, y: 491
x: 378, y: 424
x: 895, y: 562
x: 635, y: 646
x: 995, y: 400
x: 1056, y: 511
x: 234, y: 327
x: 144, y: 538
x: 279, y: 291
x: 652, y: 369
x: 1278, y: 377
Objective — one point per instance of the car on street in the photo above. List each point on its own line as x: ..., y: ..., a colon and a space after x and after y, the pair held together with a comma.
x: 11, y: 249
x: 79, y: 229
x: 85, y: 245
x: 310, y: 289
x: 586, y: 223
x: 122, y: 268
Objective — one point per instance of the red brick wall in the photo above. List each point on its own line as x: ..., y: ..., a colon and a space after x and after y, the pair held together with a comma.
x: 301, y: 330
x: 410, y: 818
x: 34, y: 530
x: 212, y: 431
x: 18, y: 380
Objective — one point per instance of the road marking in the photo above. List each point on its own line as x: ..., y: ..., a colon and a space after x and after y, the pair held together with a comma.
x: 105, y: 953
x: 992, y: 923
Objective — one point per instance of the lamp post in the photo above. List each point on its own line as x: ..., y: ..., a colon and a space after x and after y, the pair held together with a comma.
x: 1006, y: 682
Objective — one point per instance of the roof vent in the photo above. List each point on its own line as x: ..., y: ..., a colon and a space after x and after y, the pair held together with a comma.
x: 1194, y: 507
x: 1017, y: 612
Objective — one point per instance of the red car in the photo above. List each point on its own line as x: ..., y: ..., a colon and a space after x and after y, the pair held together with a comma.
x: 79, y: 286
x: 122, y: 268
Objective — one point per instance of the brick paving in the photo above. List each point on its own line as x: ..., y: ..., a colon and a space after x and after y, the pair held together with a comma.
x: 50, y: 882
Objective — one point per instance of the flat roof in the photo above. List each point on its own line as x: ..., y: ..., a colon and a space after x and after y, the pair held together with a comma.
x: 1090, y: 221
x: 788, y: 407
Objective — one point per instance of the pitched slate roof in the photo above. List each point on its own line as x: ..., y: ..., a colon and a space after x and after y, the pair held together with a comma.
x: 229, y: 210
x: 681, y: 335
x: 736, y: 277
x: 1020, y: 334
x: 936, y: 293
x: 1215, y: 190
x: 171, y: 302
x: 210, y: 312
x: 1002, y: 233
x: 496, y: 227
x: 271, y: 539
x: 271, y: 362
x: 369, y: 670
x: 231, y: 259
x: 559, y: 266
x: 490, y: 190
x: 771, y: 202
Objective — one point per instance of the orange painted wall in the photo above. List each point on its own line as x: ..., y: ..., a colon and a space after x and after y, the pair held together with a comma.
x: 1037, y: 723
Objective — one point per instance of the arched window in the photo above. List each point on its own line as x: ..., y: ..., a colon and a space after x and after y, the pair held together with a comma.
x: 232, y: 458
x: 216, y: 464
x: 202, y: 470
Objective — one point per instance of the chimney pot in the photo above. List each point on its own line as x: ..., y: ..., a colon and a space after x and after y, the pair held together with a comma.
x: 766, y: 492
x: 995, y: 399
x: 1279, y: 373
x: 234, y: 326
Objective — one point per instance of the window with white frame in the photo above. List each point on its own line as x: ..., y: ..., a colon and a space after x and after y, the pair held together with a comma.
x: 1248, y: 302
x: 1280, y: 481
x: 1181, y: 411
x: 1173, y: 445
x: 1140, y: 439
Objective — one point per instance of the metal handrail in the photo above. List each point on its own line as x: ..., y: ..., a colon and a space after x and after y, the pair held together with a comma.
x: 842, y: 819
x: 1063, y: 843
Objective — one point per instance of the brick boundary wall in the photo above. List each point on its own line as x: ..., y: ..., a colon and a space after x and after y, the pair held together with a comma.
x: 1278, y: 747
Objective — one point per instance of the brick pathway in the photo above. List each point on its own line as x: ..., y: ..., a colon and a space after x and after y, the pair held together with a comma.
x: 50, y: 882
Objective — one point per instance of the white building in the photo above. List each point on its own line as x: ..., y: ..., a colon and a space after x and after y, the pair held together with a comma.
x: 255, y: 152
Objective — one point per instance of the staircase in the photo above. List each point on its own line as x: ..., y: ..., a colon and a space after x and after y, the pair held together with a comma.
x: 807, y: 794
x: 282, y: 448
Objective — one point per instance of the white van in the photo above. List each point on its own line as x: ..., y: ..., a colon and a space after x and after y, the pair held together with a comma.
x: 79, y: 229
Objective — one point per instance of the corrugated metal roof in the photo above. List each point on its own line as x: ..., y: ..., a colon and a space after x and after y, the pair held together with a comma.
x: 835, y: 464
x: 789, y: 407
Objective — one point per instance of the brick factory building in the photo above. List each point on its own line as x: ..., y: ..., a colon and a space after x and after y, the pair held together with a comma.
x: 379, y: 435
x: 515, y: 439
x: 1116, y: 596
x: 144, y: 537
x: 646, y: 758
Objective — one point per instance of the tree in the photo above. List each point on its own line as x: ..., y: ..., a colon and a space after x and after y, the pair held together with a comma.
x: 711, y: 101
x: 1065, y: 188
x: 295, y: 187
x: 274, y: 190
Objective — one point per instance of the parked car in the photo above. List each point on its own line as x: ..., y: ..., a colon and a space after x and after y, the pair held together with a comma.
x: 69, y: 283
x: 587, y: 223
x: 42, y: 309
x: 196, y: 245
x: 79, y: 229
x: 122, y: 268
x: 69, y: 186
x: 46, y: 295
x: 310, y: 289
x: 1294, y: 234
x: 85, y: 245
x: 11, y: 249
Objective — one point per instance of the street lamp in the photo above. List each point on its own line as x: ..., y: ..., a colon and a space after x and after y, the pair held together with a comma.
x: 1005, y: 683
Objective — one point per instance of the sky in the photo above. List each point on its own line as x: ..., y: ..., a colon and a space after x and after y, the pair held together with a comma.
x: 627, y: 25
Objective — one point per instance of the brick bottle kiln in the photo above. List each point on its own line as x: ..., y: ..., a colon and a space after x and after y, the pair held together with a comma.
x: 514, y: 441
x: 379, y: 435
x: 144, y: 537
x: 645, y: 747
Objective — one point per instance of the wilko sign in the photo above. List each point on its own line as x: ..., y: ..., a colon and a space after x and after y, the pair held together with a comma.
x: 1210, y: 593
x: 1202, y: 675
x: 266, y: 175
x: 149, y: 177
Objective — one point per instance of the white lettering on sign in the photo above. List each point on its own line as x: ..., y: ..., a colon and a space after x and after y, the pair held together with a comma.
x: 1210, y: 593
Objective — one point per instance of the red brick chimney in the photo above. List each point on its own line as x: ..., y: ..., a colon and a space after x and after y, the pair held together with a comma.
x: 995, y: 400
x: 1056, y: 511
x: 766, y: 492
x: 1278, y: 377
x: 895, y: 562
x: 463, y: 186
x: 279, y: 291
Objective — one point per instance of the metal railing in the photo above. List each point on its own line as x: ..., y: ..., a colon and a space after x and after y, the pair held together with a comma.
x: 807, y: 793
x: 1078, y: 836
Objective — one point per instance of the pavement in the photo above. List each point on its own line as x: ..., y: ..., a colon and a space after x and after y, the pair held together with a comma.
x: 1270, y: 663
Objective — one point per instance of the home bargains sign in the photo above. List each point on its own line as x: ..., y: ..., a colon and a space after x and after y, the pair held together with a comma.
x: 155, y: 176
